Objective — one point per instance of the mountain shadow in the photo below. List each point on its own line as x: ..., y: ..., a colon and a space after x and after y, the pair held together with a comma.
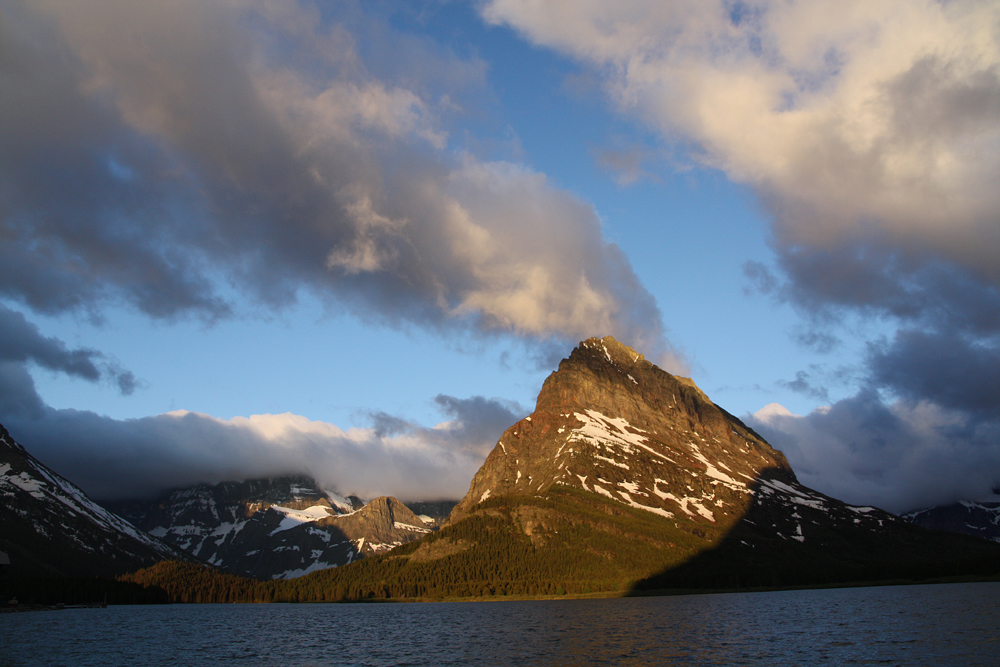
x: 793, y: 536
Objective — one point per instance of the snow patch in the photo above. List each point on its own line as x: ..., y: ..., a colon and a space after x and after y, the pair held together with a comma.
x: 405, y: 526
x: 632, y: 487
x: 293, y: 518
x: 314, y: 567
x: 600, y: 430
x: 604, y: 492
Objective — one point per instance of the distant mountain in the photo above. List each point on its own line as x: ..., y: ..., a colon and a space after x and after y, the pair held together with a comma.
x: 432, y: 512
x: 49, y: 527
x: 274, y: 528
x: 981, y: 519
x: 628, y: 478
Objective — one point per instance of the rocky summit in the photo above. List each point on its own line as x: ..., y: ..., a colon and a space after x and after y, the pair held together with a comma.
x: 49, y: 527
x: 612, y: 423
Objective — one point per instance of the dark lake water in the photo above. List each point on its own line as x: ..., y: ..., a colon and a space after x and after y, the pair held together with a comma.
x: 951, y: 624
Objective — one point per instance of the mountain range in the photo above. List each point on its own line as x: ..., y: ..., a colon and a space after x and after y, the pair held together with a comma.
x: 624, y: 478
x: 274, y: 528
x: 981, y: 518
x: 627, y: 478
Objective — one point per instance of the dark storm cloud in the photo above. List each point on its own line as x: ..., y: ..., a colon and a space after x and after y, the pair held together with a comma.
x: 478, y: 422
x: 21, y: 344
x: 901, y: 456
x: 167, y: 151
x: 805, y: 384
x: 946, y: 347
x: 75, y: 222
x: 945, y: 368
x: 21, y: 341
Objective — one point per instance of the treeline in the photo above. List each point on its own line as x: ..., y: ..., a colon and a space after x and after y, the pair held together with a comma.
x: 78, y: 591
x: 190, y: 582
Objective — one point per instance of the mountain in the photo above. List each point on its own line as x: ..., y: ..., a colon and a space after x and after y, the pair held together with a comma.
x: 51, y: 528
x: 627, y: 478
x: 274, y: 528
x: 432, y: 512
x: 981, y: 519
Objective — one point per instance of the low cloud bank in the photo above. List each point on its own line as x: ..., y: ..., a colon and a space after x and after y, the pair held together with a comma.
x: 141, y: 458
x: 901, y: 456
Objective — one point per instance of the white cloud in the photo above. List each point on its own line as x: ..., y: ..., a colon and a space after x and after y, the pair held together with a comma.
x: 121, y: 459
x: 264, y: 153
x: 853, y: 118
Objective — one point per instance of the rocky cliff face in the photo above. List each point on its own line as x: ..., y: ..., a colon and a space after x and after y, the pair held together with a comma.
x: 610, y: 422
x: 49, y: 527
x: 274, y: 528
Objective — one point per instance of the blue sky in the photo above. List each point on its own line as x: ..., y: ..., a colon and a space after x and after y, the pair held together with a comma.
x: 353, y: 239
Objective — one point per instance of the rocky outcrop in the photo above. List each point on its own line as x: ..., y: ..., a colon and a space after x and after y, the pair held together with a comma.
x: 382, y: 524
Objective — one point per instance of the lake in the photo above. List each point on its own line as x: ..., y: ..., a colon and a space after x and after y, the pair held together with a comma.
x: 944, y: 624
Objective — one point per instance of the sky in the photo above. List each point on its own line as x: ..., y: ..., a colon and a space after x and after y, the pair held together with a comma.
x: 351, y: 239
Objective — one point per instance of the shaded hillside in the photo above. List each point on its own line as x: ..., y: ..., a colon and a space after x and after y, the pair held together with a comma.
x: 51, y: 528
x: 981, y: 519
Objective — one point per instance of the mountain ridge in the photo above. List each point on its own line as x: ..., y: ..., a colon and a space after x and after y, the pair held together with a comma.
x: 52, y: 528
x: 279, y: 527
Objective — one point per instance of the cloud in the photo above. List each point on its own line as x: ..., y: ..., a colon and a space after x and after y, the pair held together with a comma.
x: 141, y: 458
x: 901, y: 456
x: 945, y: 368
x: 478, y: 422
x: 167, y: 152
x: 184, y: 157
x: 870, y: 121
x: 624, y: 163
x: 21, y: 344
